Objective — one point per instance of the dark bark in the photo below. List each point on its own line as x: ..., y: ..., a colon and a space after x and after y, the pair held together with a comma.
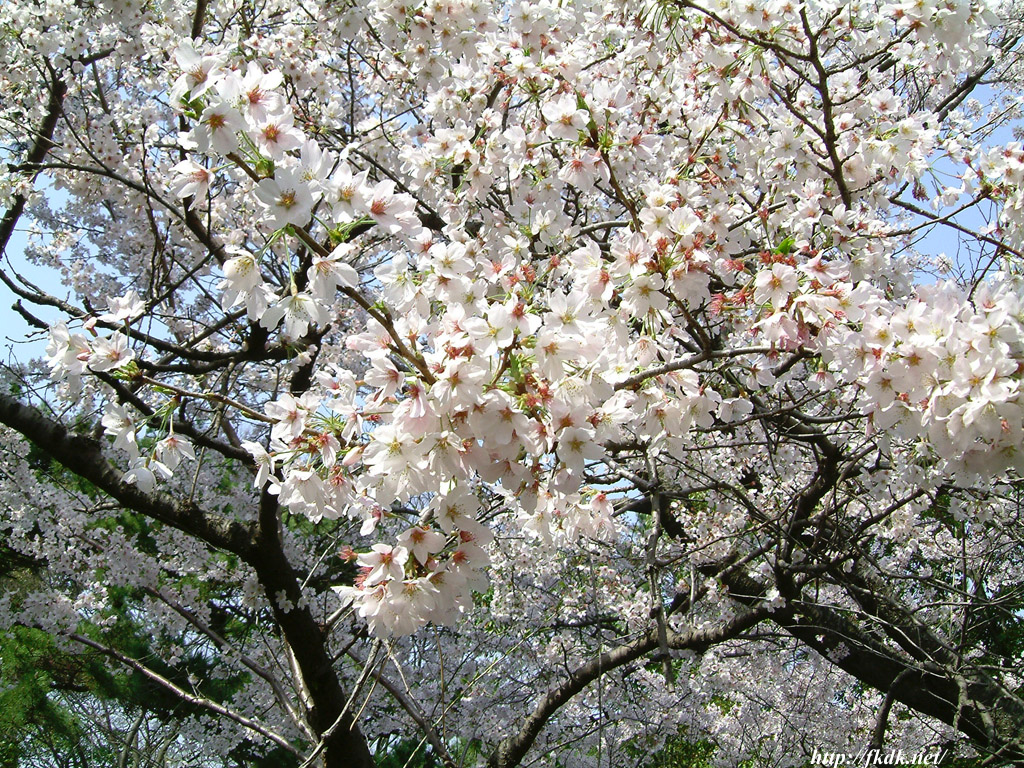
x: 919, y: 672
x: 511, y: 750
x: 84, y: 457
x: 260, y: 547
x: 42, y: 144
x: 345, y: 747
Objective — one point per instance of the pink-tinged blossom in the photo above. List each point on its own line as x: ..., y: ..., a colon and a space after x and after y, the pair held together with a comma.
x: 299, y: 311
x: 120, y: 422
x: 191, y: 180
x: 67, y: 353
x: 393, y: 452
x: 564, y: 119
x: 734, y: 409
x: 241, y: 278
x: 422, y: 542
x: 385, y: 377
x: 277, y: 134
x: 347, y: 193
x: 265, y: 462
x: 110, y: 353
x: 372, y: 342
x: 327, y: 446
x: 657, y: 221
x: 328, y: 273
x: 490, y: 334
x: 522, y: 320
x: 584, y: 170
x: 630, y: 256
x: 643, y: 297
x: 145, y: 472
x: 286, y: 197
x: 393, y: 212
x: 553, y: 351
x: 172, y: 449
x: 459, y: 384
x: 775, y: 286
x: 455, y: 508
x: 290, y: 414
x: 825, y: 272
x: 383, y: 562
x: 410, y: 602
x: 576, y: 446
x: 315, y: 165
x: 122, y: 309
x: 218, y: 128
x: 468, y: 560
x: 498, y: 420
x: 256, y: 92
x: 198, y: 72
x: 305, y: 492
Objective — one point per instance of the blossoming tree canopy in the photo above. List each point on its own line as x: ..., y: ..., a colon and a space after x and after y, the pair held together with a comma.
x: 492, y: 376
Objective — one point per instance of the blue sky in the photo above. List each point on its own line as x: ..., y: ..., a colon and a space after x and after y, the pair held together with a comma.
x: 15, y: 330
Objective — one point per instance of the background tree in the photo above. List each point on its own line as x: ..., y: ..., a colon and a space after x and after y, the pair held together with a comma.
x: 515, y: 383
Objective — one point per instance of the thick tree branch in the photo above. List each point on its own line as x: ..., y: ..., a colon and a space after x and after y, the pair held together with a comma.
x: 511, y: 750
x: 42, y: 144
x: 84, y: 457
x: 345, y: 746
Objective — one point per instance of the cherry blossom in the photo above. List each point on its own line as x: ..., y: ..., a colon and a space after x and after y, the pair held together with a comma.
x: 287, y: 198
x: 583, y: 370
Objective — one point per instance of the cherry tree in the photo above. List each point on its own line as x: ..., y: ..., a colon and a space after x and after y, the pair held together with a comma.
x: 519, y: 383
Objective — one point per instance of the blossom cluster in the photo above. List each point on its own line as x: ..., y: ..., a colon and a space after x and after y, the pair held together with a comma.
x: 558, y: 266
x: 609, y: 317
x: 946, y: 368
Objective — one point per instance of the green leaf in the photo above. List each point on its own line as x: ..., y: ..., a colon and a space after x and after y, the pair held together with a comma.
x: 787, y: 246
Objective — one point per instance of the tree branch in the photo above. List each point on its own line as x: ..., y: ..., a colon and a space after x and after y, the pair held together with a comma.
x: 512, y: 749
x: 184, y: 695
x: 84, y: 457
